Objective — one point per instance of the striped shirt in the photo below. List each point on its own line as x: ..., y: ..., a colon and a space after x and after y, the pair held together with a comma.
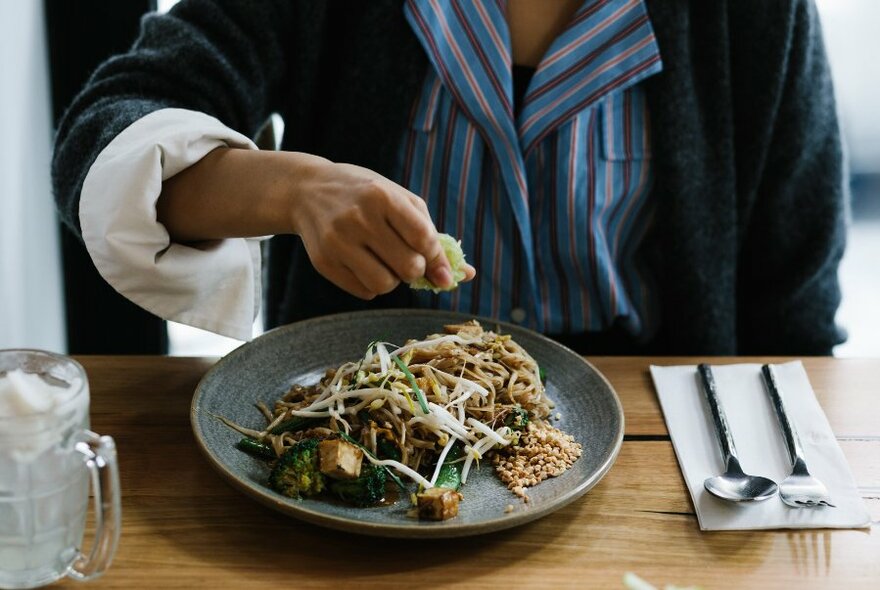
x: 550, y: 203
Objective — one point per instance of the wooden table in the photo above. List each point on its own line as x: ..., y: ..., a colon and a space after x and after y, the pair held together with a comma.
x: 184, y: 527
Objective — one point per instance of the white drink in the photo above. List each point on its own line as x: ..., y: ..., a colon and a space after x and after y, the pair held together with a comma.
x: 43, y: 483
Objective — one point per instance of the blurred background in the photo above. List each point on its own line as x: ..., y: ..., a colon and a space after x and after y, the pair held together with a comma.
x: 853, y: 45
x: 52, y: 298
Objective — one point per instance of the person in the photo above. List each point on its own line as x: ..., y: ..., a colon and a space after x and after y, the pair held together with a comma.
x: 627, y: 176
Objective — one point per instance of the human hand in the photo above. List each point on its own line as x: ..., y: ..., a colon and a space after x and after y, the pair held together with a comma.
x: 364, y: 233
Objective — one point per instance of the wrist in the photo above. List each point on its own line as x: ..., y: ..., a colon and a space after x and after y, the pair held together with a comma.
x: 298, y: 183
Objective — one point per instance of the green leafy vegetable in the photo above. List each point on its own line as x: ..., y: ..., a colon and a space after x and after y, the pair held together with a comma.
x: 450, y: 471
x: 366, y: 490
x: 256, y: 449
x: 390, y: 473
x: 517, y: 419
x: 454, y: 254
x: 387, y: 450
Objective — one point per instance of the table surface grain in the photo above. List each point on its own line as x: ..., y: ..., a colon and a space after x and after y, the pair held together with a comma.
x: 184, y: 527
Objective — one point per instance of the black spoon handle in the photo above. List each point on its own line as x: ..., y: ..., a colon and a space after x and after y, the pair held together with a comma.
x: 722, y: 430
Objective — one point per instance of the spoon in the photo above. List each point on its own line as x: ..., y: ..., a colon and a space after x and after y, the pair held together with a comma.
x: 733, y: 484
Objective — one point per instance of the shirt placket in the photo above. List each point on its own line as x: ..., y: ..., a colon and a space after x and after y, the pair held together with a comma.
x: 607, y: 47
x: 468, y: 44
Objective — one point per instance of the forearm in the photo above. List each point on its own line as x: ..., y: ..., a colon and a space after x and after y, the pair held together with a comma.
x: 362, y: 231
x: 223, y: 58
x: 235, y: 193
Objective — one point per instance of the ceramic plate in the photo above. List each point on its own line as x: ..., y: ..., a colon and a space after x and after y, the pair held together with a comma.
x: 265, y: 368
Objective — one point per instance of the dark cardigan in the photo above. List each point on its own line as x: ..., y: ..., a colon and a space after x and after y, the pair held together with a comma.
x: 748, y: 173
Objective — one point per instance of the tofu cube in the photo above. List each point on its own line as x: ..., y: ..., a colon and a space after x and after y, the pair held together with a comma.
x: 340, y: 459
x: 438, y: 503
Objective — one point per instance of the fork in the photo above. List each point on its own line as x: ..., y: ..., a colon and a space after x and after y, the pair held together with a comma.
x: 800, y: 489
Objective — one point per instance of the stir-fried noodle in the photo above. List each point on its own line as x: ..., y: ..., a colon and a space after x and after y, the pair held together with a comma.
x: 468, y: 385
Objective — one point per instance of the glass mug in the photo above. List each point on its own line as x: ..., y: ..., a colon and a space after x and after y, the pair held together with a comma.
x: 48, y: 457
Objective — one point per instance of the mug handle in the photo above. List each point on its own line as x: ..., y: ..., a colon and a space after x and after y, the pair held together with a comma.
x: 99, y: 457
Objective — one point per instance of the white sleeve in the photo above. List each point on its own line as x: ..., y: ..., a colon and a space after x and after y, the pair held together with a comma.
x: 210, y: 285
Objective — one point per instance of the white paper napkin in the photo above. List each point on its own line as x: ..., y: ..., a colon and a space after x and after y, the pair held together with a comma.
x: 759, y: 443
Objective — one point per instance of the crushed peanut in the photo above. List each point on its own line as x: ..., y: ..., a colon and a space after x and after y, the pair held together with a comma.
x: 543, y: 451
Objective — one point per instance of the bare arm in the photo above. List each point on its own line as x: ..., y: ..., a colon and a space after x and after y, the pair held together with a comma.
x: 362, y: 231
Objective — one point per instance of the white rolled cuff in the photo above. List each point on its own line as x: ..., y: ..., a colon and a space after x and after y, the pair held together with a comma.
x: 210, y: 285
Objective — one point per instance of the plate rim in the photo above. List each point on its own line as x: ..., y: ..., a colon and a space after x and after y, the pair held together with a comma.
x: 401, y: 531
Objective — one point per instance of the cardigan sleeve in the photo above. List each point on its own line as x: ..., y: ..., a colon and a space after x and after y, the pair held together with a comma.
x: 223, y: 58
x: 788, y: 291
x: 213, y: 285
x: 204, y: 76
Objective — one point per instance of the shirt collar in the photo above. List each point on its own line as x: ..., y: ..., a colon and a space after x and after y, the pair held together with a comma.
x: 608, y: 46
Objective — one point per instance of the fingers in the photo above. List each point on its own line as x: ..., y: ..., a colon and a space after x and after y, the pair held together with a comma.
x: 346, y: 280
x: 409, y: 217
x: 371, y: 271
x: 357, y: 272
x: 365, y: 233
x: 365, y: 280
x: 469, y: 273
x: 419, y: 203
x: 397, y: 255
x: 354, y: 282
x: 439, y: 272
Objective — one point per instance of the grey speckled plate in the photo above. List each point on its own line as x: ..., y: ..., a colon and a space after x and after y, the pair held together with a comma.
x: 300, y: 353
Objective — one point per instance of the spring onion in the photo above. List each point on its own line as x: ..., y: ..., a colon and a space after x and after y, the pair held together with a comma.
x: 423, y: 403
